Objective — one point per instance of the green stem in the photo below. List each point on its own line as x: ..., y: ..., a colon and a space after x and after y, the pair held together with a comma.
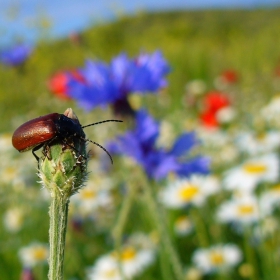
x: 200, y: 228
x: 122, y: 217
x: 250, y: 254
x: 163, y: 232
x: 166, y: 273
x: 58, y: 222
x: 118, y: 229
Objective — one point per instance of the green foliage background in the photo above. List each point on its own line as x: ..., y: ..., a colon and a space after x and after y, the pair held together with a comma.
x: 197, y: 44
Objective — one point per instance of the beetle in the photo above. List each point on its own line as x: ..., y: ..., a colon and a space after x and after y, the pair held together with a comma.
x: 43, y: 130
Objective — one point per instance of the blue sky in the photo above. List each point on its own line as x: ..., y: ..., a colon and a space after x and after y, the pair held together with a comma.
x: 20, y: 19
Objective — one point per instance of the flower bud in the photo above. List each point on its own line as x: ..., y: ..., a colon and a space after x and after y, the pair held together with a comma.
x: 63, y: 167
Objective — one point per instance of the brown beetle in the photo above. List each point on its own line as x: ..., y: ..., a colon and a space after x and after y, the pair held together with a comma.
x: 38, y: 132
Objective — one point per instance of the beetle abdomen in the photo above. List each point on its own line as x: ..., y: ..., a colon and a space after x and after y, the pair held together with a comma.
x: 34, y: 132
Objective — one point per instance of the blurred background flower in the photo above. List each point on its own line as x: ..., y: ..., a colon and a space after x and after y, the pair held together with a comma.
x: 139, y: 144
x: 15, y: 55
x: 33, y: 254
x: 58, y: 83
x: 217, y: 258
x: 192, y: 191
x: 246, y: 176
x: 111, y: 84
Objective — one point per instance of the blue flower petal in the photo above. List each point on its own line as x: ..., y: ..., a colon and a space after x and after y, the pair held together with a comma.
x: 183, y: 144
x: 147, y: 129
x: 16, y: 55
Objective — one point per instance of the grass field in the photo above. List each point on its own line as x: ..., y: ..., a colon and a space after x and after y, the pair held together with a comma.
x: 198, y: 46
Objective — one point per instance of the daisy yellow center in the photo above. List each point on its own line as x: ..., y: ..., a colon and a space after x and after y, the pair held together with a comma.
x: 40, y: 253
x: 188, y: 192
x: 88, y: 194
x: 10, y: 171
x: 181, y: 219
x: 183, y: 223
x: 254, y: 168
x: 276, y: 188
x: 110, y: 273
x: 128, y: 254
x: 245, y: 209
x: 261, y: 137
x: 217, y: 258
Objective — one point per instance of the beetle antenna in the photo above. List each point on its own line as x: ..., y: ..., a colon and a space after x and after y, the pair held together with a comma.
x: 95, y: 143
x: 100, y: 123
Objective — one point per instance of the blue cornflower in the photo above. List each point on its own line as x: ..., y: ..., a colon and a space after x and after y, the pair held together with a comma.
x: 111, y: 84
x: 140, y: 144
x: 16, y: 55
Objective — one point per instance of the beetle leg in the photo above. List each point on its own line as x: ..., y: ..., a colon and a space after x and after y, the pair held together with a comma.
x: 36, y: 149
x: 46, y: 151
x: 72, y: 147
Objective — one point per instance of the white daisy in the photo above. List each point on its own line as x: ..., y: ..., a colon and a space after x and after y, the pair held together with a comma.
x: 267, y: 227
x: 105, y: 268
x: 33, y: 254
x: 246, y: 176
x: 195, y: 87
x: 193, y: 273
x: 132, y: 260
x: 243, y: 210
x: 95, y: 195
x: 216, y: 258
x: 13, y: 219
x: 141, y: 240
x: 226, y: 115
x: 18, y: 172
x: 213, y: 137
x: 191, y: 191
x: 253, y: 144
x: 166, y: 135
x: 5, y: 143
x: 137, y: 254
x: 218, y: 145
x: 271, y: 112
x: 271, y: 198
x: 183, y: 225
x: 225, y: 155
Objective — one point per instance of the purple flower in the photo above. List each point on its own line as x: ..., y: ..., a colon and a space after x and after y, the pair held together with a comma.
x: 15, y: 55
x: 111, y: 84
x: 140, y: 144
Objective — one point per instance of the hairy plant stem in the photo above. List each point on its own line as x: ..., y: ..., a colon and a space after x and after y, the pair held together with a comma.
x: 57, y: 235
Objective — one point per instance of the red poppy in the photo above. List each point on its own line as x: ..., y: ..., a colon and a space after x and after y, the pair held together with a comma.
x: 229, y: 76
x: 58, y: 83
x: 209, y: 119
x: 215, y: 100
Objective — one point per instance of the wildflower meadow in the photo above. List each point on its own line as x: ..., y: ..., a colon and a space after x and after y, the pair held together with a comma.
x: 181, y: 178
